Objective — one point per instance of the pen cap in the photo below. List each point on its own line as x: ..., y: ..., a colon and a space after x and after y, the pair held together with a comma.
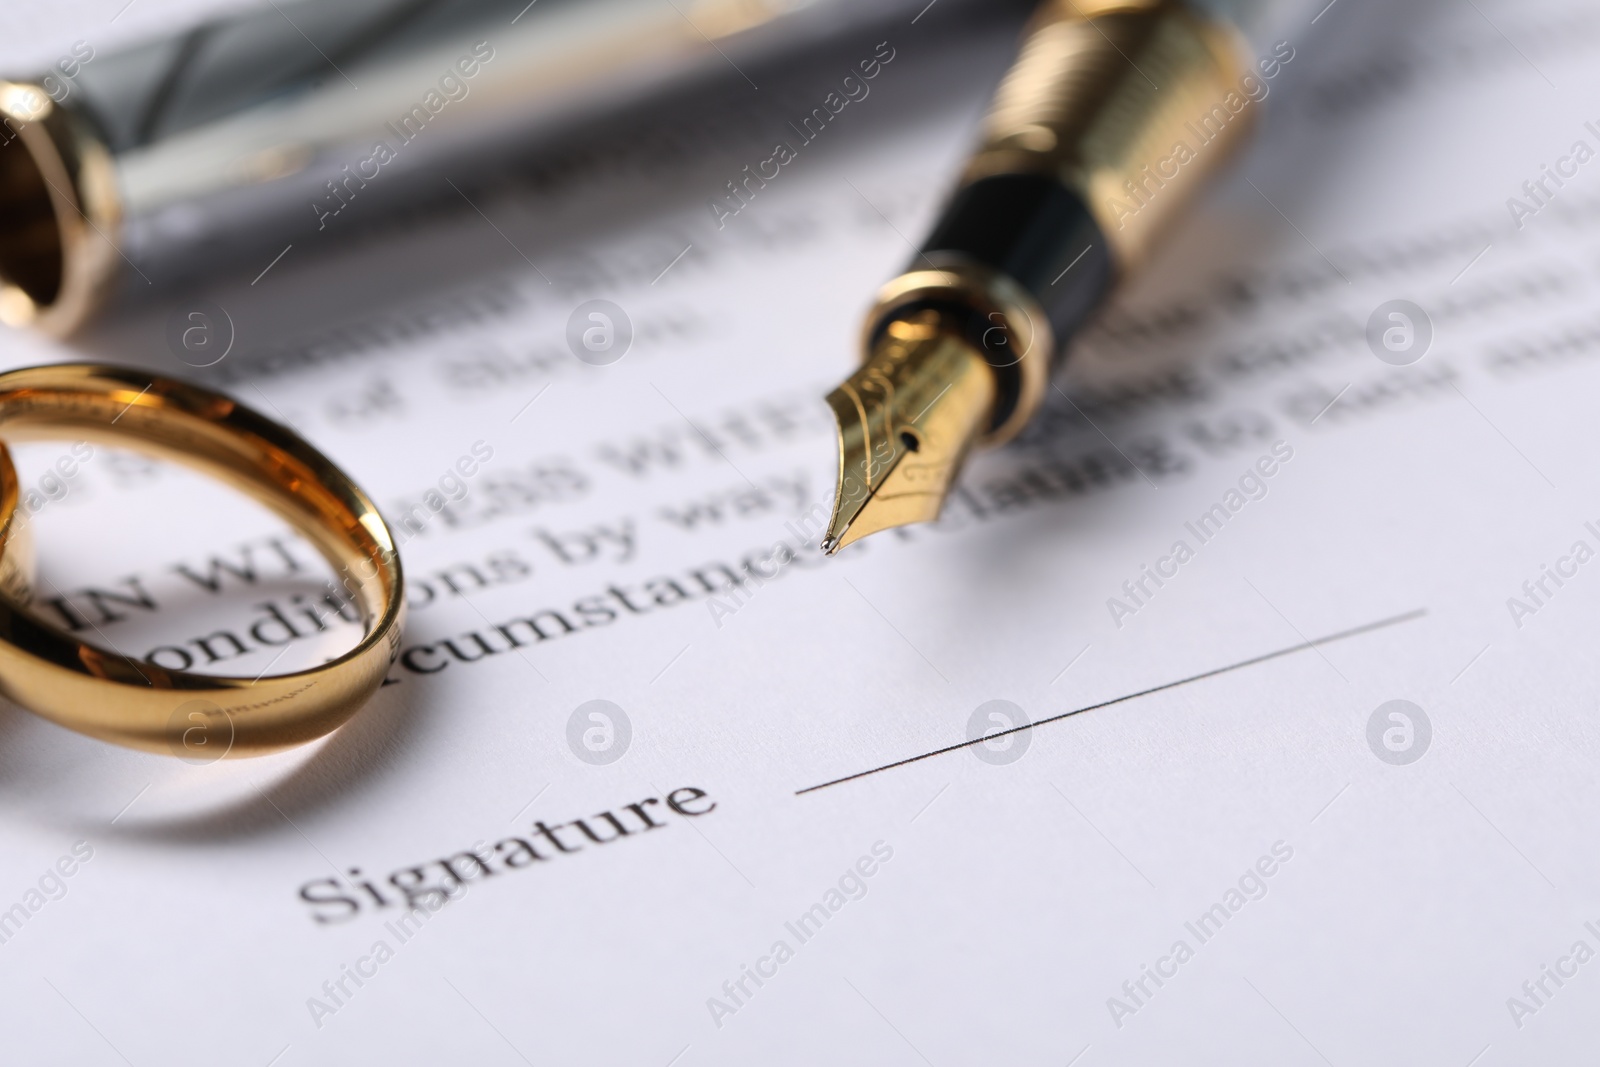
x: 126, y: 172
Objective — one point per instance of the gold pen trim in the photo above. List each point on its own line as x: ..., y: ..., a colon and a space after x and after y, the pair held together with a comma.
x: 1100, y: 96
x: 1018, y: 326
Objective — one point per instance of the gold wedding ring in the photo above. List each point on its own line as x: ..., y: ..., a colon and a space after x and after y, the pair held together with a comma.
x: 137, y: 703
x: 16, y: 535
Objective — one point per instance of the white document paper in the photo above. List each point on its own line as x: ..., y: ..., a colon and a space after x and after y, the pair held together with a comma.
x: 1307, y: 637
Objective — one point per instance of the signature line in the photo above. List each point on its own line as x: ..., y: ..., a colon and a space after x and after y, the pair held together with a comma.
x: 1329, y: 639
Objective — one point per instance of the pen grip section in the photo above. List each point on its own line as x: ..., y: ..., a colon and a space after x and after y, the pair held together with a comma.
x: 1036, y: 231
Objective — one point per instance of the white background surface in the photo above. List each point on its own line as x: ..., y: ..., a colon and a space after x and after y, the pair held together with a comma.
x: 1019, y: 897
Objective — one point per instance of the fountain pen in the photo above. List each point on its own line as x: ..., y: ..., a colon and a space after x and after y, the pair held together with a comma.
x: 1114, y: 113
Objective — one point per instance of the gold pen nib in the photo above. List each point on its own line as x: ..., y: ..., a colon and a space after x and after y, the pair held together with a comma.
x: 906, y: 420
